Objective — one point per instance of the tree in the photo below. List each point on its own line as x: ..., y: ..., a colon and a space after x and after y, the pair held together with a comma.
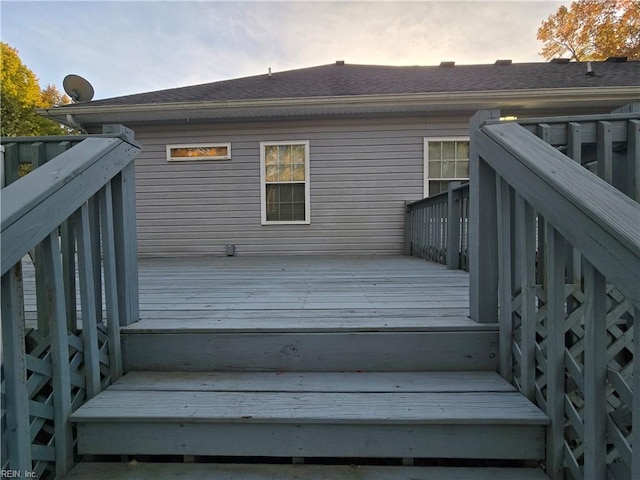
x: 20, y: 95
x: 593, y: 30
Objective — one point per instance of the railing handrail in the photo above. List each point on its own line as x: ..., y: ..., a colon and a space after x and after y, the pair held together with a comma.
x: 606, y: 232
x: 566, y: 119
x: 32, y: 207
x: 437, y: 198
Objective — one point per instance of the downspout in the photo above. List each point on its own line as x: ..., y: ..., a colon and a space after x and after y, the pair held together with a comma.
x: 71, y: 122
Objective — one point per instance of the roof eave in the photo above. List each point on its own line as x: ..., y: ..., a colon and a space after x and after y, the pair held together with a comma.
x: 521, y: 100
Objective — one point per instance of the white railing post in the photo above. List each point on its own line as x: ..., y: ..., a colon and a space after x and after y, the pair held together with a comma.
x: 483, y: 250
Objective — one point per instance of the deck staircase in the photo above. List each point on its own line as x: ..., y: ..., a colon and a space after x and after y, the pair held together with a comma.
x: 312, y: 402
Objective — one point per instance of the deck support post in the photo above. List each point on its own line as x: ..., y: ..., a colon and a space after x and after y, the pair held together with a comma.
x: 483, y: 235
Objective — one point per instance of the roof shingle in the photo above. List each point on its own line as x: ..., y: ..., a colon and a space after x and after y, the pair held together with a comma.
x: 336, y: 80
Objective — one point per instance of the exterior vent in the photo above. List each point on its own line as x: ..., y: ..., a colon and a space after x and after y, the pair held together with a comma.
x: 616, y: 59
x: 447, y: 64
x: 590, y: 71
x: 560, y: 61
x: 503, y: 63
x: 339, y: 62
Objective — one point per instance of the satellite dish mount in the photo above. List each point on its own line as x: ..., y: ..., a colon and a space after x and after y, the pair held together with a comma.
x: 79, y: 89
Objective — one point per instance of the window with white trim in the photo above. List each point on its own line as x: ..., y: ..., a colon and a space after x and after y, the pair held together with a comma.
x: 198, y: 151
x: 445, y: 160
x: 284, y: 182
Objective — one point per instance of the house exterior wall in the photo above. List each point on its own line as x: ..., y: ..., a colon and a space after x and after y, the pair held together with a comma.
x: 362, y: 170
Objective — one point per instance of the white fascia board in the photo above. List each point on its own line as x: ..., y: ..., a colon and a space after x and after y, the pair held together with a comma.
x: 308, y: 106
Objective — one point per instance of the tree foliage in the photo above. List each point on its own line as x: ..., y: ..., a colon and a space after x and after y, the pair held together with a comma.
x: 21, y: 95
x: 593, y: 30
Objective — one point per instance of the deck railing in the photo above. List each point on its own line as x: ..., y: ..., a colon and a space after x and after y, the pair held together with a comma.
x: 436, y: 228
x: 560, y: 248
x: 75, y: 212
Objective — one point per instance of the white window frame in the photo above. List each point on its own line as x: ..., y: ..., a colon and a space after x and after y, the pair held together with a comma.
x: 199, y: 145
x: 426, y: 160
x: 263, y: 184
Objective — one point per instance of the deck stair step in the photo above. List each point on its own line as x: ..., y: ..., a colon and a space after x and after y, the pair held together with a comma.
x: 209, y: 471
x: 473, y: 415
x: 311, y: 340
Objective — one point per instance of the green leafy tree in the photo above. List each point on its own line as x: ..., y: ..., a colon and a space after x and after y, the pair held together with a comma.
x: 593, y: 30
x: 21, y: 95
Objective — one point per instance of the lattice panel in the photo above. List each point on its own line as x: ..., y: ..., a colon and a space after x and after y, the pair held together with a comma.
x: 40, y: 389
x: 619, y: 378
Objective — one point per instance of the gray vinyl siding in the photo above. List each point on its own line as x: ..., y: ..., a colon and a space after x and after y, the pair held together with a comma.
x: 362, y: 170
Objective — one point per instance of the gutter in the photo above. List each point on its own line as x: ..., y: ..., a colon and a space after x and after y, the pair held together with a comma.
x: 325, y: 105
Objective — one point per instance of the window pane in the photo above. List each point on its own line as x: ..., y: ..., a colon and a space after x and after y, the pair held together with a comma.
x: 271, y: 155
x: 448, y: 169
x: 271, y: 174
x: 462, y: 152
x: 297, y: 153
x: 272, y: 202
x: 434, y: 150
x: 198, y: 152
x: 286, y: 211
x: 284, y: 154
x: 435, y: 170
x: 462, y: 169
x: 448, y: 150
x: 298, y: 193
x: 298, y: 211
x: 437, y: 187
x: 284, y: 173
x: 298, y: 172
x: 286, y: 193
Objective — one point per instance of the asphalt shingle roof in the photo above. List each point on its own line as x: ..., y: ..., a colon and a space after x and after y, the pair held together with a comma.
x: 349, y: 80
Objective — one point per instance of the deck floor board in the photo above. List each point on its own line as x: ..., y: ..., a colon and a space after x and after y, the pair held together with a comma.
x: 297, y: 293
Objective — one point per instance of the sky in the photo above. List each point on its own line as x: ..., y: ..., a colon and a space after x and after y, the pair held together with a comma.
x: 126, y: 47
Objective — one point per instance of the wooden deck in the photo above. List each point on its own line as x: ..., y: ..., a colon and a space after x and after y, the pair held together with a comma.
x: 296, y: 293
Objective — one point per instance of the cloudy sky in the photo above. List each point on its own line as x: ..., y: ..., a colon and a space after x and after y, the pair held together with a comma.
x: 125, y: 47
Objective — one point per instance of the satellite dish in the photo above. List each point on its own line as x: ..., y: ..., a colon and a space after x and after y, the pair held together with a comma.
x: 79, y: 89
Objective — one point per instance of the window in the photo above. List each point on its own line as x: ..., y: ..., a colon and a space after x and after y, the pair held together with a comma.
x: 446, y: 160
x: 284, y: 178
x: 193, y: 152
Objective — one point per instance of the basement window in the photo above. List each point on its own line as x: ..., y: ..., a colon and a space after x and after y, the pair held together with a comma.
x: 200, y: 151
x: 284, y: 182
